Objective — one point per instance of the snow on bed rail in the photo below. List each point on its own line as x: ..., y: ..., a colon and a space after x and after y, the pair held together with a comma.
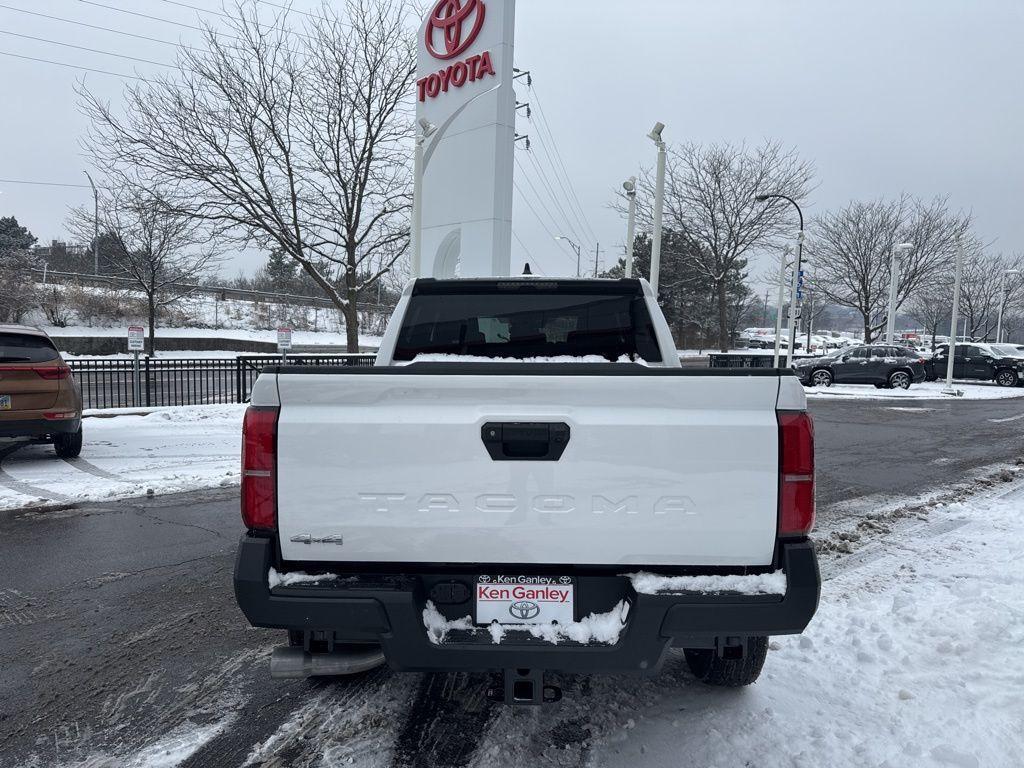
x: 596, y: 628
x: 754, y: 584
x: 440, y: 358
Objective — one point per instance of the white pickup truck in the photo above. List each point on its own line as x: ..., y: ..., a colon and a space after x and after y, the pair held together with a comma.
x: 527, y: 481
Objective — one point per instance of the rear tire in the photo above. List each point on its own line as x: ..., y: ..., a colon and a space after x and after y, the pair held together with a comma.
x: 68, y: 446
x: 1007, y: 378
x: 821, y: 378
x: 899, y: 380
x: 711, y: 669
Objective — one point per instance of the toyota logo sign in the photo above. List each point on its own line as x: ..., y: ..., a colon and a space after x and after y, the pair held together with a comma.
x: 458, y: 22
x: 524, y: 610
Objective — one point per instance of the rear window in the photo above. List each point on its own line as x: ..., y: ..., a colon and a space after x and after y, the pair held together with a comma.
x: 527, y: 323
x: 24, y: 348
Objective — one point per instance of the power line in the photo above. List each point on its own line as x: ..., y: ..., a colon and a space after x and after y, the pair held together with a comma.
x: 71, y: 66
x: 230, y: 17
x: 83, y: 48
x: 570, y: 227
x: 96, y: 26
x: 554, y: 144
x: 44, y: 183
x: 151, y: 18
x: 535, y: 214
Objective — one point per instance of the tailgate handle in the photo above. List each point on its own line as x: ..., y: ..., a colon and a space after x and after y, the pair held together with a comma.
x: 525, y: 441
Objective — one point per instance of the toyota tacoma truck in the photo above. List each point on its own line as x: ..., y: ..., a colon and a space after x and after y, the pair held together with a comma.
x: 527, y: 481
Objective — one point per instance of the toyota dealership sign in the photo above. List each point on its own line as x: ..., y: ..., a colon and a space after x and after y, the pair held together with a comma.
x: 464, y: 88
x: 451, y: 29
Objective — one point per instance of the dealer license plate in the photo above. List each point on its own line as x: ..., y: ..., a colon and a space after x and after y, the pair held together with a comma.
x: 5, y: 402
x: 524, y: 599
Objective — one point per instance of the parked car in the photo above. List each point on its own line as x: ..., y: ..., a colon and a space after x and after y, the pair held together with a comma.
x: 879, y: 364
x: 484, y: 498
x: 39, y: 398
x: 980, y: 362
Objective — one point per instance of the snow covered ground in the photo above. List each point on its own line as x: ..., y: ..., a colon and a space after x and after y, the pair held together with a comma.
x: 929, y: 390
x: 164, y: 451
x: 912, y: 660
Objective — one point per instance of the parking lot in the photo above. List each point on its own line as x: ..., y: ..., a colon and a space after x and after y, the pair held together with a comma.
x: 130, y: 650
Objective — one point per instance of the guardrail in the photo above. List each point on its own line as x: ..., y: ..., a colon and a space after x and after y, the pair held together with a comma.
x: 176, y: 382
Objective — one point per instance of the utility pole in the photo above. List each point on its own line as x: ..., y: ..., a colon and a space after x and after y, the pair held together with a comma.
x: 96, y: 225
x: 764, y: 313
x: 597, y: 257
x: 894, y: 277
x: 1003, y: 296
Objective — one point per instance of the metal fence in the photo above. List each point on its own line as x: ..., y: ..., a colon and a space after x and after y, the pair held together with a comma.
x: 170, y: 382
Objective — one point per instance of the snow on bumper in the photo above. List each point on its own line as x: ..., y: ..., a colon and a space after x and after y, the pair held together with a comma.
x: 389, y: 609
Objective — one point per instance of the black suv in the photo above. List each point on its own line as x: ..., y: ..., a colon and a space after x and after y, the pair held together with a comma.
x: 983, y: 362
x: 878, y: 364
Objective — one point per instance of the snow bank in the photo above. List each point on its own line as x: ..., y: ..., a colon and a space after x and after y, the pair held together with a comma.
x: 136, y: 453
x: 928, y: 390
x: 755, y: 584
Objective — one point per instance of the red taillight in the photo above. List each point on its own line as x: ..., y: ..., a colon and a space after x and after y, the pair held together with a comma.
x: 259, y: 468
x: 796, y: 470
x: 54, y: 372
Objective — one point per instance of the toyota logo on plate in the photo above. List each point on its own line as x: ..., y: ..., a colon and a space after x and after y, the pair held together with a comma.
x: 523, y: 610
x: 458, y: 22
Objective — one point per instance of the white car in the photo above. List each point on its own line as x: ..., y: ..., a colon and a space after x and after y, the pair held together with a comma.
x: 527, y: 481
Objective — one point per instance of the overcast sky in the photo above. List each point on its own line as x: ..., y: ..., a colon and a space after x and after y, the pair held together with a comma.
x: 883, y: 96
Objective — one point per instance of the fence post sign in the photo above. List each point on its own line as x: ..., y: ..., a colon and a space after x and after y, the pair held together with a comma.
x: 284, y: 342
x: 136, y: 343
x: 136, y: 338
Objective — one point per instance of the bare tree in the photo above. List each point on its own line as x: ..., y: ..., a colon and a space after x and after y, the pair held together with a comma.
x: 709, y: 200
x: 297, y: 141
x: 931, y: 308
x: 162, y: 252
x: 851, y: 249
x: 984, y: 288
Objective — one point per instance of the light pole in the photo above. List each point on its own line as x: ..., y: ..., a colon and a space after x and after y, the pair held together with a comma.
x: 659, y: 206
x: 428, y: 129
x: 1002, y: 302
x: 796, y: 270
x: 630, y: 187
x: 786, y: 252
x: 96, y: 225
x: 954, y: 319
x: 576, y: 247
x: 894, y: 278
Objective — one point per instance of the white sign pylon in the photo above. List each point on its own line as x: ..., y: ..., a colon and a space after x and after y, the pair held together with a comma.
x: 464, y: 91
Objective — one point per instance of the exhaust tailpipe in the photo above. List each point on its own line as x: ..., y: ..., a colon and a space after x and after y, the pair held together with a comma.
x: 293, y: 663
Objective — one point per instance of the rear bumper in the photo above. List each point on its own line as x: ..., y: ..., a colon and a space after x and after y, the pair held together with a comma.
x: 388, y: 609
x: 38, y: 427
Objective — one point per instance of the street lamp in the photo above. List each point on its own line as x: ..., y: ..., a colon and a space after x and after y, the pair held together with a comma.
x: 953, y: 320
x: 1002, y: 302
x: 95, y: 226
x: 894, y: 277
x: 576, y: 247
x: 659, y: 206
x: 796, y: 269
x: 427, y: 129
x: 630, y: 188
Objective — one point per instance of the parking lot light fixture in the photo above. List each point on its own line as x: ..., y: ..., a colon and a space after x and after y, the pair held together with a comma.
x: 954, y: 320
x: 1002, y: 302
x: 764, y: 198
x: 659, y: 206
x: 894, y: 278
x: 576, y: 247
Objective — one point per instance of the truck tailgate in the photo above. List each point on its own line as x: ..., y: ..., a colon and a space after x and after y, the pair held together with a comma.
x: 658, y: 469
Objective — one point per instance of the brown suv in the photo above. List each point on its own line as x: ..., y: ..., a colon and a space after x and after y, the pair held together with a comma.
x: 38, y: 395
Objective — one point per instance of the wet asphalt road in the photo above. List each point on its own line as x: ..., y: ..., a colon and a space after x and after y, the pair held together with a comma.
x: 118, y: 627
